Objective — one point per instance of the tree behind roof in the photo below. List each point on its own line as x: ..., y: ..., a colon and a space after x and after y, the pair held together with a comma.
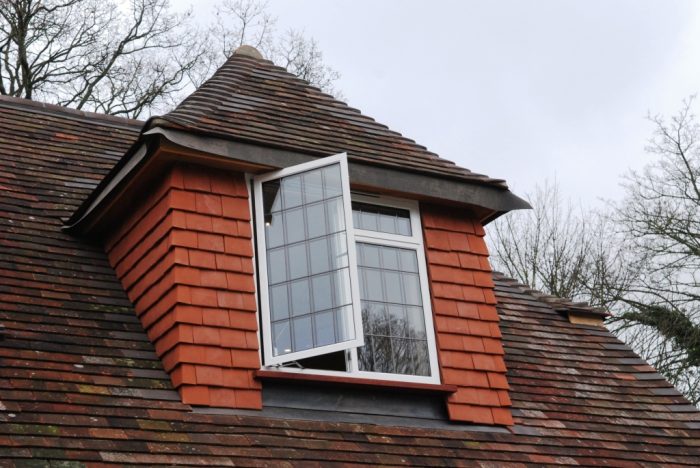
x: 133, y: 58
x: 641, y: 260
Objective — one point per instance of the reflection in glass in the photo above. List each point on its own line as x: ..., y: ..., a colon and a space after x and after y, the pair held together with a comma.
x: 297, y: 261
x: 279, y: 302
x: 277, y: 266
x: 303, y: 333
x: 313, y: 186
x: 333, y: 186
x: 341, y: 284
x: 325, y: 328
x: 335, y: 213
x: 323, y: 292
x: 320, y: 261
x: 294, y: 224
x: 301, y: 299
x: 392, y: 312
x: 316, y: 218
x: 281, y: 338
x: 291, y: 192
x: 274, y: 230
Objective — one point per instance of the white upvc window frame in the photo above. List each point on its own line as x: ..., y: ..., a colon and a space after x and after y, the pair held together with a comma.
x: 358, y: 340
x: 414, y: 242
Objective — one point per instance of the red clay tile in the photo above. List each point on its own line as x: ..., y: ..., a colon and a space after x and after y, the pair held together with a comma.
x: 251, y: 399
x: 196, y: 180
x: 210, y: 242
x: 208, y: 203
x: 194, y: 395
x: 236, y: 208
x: 202, y: 259
x: 208, y: 375
x: 223, y: 398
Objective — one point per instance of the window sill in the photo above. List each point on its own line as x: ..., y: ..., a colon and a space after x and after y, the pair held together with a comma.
x: 354, y: 382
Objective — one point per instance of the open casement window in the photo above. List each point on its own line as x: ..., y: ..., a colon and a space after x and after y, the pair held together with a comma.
x: 343, y: 283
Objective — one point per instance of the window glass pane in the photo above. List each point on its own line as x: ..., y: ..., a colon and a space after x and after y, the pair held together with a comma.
x: 368, y: 221
x: 294, y: 222
x: 279, y: 302
x: 421, y: 359
x: 298, y: 266
x: 409, y: 260
x: 343, y: 326
x: 370, y: 255
x: 333, y: 185
x: 323, y: 292
x: 325, y: 328
x: 274, y: 230
x: 277, y: 266
x: 390, y: 259
x: 382, y: 354
x: 397, y: 320
x: 313, y: 186
x: 320, y: 261
x: 301, y: 299
x: 376, y: 323
x: 303, y: 333
x: 341, y: 287
x: 316, y: 219
x: 392, y: 282
x: 281, y: 338
x: 371, y: 282
x: 338, y: 251
x: 411, y: 285
x: 387, y: 223
x: 381, y: 218
x: 335, y: 214
x: 393, y: 319
x: 291, y: 192
x: 415, y: 324
x: 403, y: 226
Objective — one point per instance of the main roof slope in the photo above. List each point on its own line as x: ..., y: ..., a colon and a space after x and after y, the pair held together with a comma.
x: 80, y: 381
x: 251, y: 99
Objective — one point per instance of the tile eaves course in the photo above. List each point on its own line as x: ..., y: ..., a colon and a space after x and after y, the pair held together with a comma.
x: 80, y: 381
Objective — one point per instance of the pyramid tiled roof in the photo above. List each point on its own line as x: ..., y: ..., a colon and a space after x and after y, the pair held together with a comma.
x: 251, y: 99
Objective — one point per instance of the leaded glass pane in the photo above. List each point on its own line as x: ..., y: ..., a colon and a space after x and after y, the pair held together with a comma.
x: 381, y: 218
x: 308, y: 269
x: 392, y: 312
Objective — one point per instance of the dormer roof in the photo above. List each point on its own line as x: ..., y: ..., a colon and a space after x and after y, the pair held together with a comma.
x: 259, y: 116
x: 251, y: 99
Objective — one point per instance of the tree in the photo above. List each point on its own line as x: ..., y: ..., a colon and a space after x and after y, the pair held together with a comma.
x: 560, y: 250
x: 96, y: 54
x: 248, y: 22
x: 135, y: 57
x: 641, y: 260
x: 661, y: 217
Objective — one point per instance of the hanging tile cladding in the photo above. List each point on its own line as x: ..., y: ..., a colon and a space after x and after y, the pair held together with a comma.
x: 185, y: 260
x: 466, y: 321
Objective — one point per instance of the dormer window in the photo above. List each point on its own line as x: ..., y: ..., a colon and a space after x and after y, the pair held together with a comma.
x: 343, y: 283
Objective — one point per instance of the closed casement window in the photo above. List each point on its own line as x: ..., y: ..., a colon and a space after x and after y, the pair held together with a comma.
x: 343, y: 286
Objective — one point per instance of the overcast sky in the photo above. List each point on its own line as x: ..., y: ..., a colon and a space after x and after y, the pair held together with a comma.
x: 520, y: 90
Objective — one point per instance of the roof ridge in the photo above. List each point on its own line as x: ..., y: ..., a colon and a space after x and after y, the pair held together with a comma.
x: 44, y: 107
x: 558, y: 303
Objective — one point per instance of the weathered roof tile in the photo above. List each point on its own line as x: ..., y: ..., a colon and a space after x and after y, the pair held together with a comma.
x: 79, y: 381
